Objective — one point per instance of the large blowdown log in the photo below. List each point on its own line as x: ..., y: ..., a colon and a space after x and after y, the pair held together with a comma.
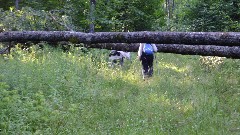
x: 187, y: 38
x: 204, y: 50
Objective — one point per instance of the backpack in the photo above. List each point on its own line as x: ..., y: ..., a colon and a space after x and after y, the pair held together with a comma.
x: 148, y: 49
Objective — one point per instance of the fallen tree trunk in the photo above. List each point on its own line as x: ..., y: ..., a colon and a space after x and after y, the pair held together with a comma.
x: 187, y: 38
x: 204, y: 50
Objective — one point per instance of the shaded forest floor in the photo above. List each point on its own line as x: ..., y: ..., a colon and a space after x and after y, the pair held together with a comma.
x: 51, y: 92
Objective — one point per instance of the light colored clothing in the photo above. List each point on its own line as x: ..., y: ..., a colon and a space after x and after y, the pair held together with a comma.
x: 125, y: 54
x: 122, y: 55
x: 118, y: 56
x: 140, y: 50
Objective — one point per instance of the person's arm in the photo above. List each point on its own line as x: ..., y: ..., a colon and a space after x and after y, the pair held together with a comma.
x: 140, y: 49
x: 154, y: 48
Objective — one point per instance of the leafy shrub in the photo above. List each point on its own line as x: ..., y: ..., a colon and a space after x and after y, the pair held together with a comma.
x: 30, y: 19
x: 211, y: 62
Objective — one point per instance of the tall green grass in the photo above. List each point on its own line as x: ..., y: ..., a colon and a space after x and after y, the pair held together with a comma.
x: 46, y: 91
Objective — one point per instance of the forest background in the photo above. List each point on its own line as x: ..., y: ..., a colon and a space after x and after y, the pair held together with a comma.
x: 49, y: 91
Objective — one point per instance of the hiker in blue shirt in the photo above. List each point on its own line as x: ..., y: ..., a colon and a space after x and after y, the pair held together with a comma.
x: 146, y: 55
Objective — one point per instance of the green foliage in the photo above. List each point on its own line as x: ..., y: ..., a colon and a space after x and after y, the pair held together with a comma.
x: 137, y: 15
x: 114, y: 15
x: 208, y: 15
x: 46, y: 5
x: 78, y: 11
x: 30, y: 19
x: 7, y: 4
x: 46, y: 91
x: 120, y: 15
x: 36, y: 4
x: 211, y: 62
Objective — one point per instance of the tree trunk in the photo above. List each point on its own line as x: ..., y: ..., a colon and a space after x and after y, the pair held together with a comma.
x: 17, y: 4
x: 187, y: 38
x: 92, y: 15
x: 204, y: 50
x: 174, y: 41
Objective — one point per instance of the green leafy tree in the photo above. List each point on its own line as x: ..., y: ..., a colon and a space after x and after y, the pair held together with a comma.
x: 5, y: 4
x: 30, y: 19
x: 110, y: 15
x: 36, y: 4
x: 209, y: 15
x: 136, y: 15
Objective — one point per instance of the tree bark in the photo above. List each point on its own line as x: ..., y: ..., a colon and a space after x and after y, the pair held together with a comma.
x: 171, y: 42
x: 204, y: 50
x: 92, y: 15
x: 17, y: 4
x: 187, y: 38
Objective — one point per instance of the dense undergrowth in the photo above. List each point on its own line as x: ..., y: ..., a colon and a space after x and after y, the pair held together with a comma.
x: 46, y: 91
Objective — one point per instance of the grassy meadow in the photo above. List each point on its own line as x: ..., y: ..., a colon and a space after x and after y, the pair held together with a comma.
x: 49, y: 92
